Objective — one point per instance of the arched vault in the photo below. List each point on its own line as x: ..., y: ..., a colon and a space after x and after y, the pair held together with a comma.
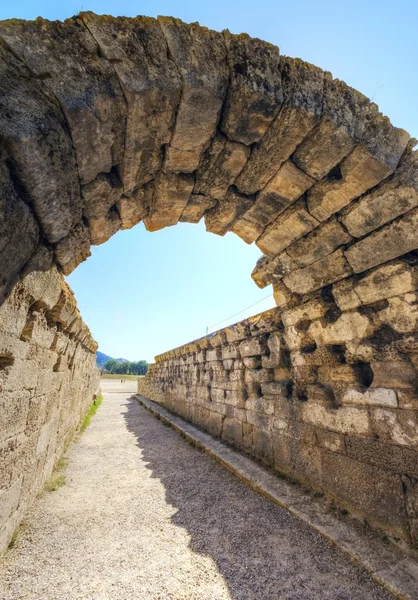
x: 106, y: 121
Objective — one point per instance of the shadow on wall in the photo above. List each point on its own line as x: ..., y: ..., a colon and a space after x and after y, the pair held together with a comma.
x: 260, y: 549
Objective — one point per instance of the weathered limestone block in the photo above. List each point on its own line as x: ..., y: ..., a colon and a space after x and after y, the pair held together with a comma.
x: 383, y: 282
x: 287, y: 185
x: 366, y: 166
x: 345, y: 419
x: 232, y: 431
x: 89, y: 94
x: 281, y: 293
x: 327, y: 270
x: 393, y: 240
x: 397, y: 459
x: 221, y: 167
x: 321, y: 242
x: 73, y: 249
x: 247, y: 230
x: 102, y: 228
x: 392, y: 198
x: 379, y: 396
x: 151, y: 85
x: 35, y: 134
x: 401, y: 314
x: 44, y: 288
x: 302, y: 106
x: 334, y: 137
x: 391, y: 374
x: 171, y: 194
x: 399, y: 427
x: 258, y: 375
x: 19, y: 232
x: 200, y: 56
x: 255, y: 89
x: 349, y: 326
x: 221, y: 217
x: 132, y: 209
x: 100, y: 195
x: 269, y: 271
x: 253, y: 347
x: 196, y: 208
x: 331, y: 441
x: 291, y: 225
x: 361, y: 485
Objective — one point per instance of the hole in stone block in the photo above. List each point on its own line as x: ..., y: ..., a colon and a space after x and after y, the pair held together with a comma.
x: 6, y: 360
x: 364, y: 374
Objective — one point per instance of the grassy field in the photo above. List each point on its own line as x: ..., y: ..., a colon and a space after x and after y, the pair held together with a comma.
x: 116, y: 376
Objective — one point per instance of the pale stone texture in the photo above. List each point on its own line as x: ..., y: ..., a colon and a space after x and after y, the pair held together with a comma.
x: 200, y: 56
x: 291, y: 388
x: 151, y: 85
x: 48, y: 378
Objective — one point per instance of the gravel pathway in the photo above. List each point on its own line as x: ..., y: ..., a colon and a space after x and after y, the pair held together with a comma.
x: 146, y: 516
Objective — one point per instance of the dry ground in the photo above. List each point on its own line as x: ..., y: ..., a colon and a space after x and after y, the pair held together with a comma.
x: 145, y: 516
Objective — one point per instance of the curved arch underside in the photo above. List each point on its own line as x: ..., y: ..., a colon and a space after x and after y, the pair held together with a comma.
x: 109, y: 121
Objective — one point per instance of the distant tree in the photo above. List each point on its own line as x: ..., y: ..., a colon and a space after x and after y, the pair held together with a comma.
x: 122, y: 368
x: 111, y: 365
x: 139, y: 367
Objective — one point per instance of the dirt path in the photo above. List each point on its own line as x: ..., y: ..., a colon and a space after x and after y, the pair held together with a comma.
x: 145, y: 516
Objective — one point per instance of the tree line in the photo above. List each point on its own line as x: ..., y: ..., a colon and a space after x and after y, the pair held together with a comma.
x: 138, y: 367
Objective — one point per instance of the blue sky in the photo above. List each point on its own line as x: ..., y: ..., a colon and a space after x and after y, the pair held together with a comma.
x: 143, y: 293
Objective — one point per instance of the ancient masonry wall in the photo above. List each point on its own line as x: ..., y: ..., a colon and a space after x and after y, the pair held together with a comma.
x: 325, y: 392
x: 48, y: 378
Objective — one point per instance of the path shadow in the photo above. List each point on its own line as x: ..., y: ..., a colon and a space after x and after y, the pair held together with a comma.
x: 260, y: 549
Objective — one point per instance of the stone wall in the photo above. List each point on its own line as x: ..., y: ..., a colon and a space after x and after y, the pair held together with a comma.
x: 324, y: 391
x: 48, y: 378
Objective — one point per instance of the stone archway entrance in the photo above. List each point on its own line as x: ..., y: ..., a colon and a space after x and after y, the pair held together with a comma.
x: 108, y: 121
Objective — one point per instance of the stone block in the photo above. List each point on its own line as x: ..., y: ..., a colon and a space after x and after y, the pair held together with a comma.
x: 195, y: 208
x: 232, y: 431
x: 171, y: 194
x: 381, y: 283
x: 221, y: 217
x: 396, y: 426
x: 385, y: 456
x: 255, y: 91
x: 378, y: 396
x: 201, y: 60
x: 394, y: 197
x: 290, y: 226
x: 346, y: 419
x: 321, y: 242
x: 334, y: 136
x: 327, y: 270
x: 220, y: 170
x: 330, y: 440
x: 391, y: 374
x: 35, y: 133
x: 366, y: 489
x: 272, y: 270
x: 253, y: 347
x: 301, y: 110
x: 393, y: 240
x: 349, y: 326
x: 361, y: 170
x: 133, y: 208
x: 262, y: 446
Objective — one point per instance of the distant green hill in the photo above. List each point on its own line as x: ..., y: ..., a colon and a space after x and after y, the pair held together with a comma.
x: 102, y: 358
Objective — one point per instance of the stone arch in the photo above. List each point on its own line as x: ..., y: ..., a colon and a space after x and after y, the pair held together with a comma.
x: 108, y: 121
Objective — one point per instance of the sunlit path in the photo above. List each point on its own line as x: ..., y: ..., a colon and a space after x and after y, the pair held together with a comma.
x: 146, y: 516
